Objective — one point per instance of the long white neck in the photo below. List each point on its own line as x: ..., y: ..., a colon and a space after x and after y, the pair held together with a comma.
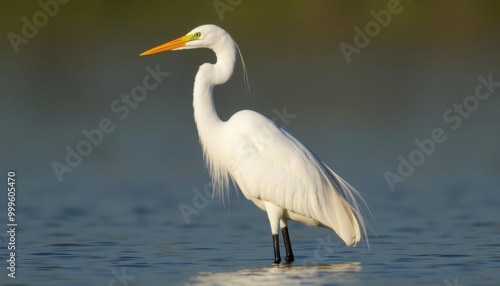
x: 210, y: 127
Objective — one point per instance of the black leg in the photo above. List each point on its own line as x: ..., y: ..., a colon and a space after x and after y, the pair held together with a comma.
x: 288, y: 246
x: 276, y: 243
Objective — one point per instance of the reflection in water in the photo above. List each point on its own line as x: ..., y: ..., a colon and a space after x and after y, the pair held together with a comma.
x: 283, y: 275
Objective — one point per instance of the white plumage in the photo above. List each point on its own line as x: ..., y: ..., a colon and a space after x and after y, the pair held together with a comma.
x: 271, y: 167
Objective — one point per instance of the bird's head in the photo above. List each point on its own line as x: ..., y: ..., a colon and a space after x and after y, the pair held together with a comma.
x: 212, y: 37
x: 205, y: 36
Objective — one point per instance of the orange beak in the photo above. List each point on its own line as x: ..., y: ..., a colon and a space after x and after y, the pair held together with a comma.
x: 174, y: 44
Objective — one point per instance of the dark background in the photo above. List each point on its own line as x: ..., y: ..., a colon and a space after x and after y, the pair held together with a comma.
x: 358, y: 116
x: 64, y: 80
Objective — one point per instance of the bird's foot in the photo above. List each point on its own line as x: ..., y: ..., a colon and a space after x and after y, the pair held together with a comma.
x: 289, y: 259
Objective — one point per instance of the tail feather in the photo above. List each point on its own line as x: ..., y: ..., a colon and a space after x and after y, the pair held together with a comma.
x: 347, y: 209
x: 344, y: 216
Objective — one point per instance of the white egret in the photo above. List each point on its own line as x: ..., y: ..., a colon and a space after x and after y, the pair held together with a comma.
x: 271, y: 167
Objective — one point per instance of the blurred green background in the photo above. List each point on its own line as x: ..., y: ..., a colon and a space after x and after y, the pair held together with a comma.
x: 360, y: 115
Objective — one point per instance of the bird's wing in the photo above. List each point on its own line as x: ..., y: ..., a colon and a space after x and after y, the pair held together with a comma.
x: 269, y: 164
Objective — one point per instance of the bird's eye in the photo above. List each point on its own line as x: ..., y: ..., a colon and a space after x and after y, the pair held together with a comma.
x: 197, y: 35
